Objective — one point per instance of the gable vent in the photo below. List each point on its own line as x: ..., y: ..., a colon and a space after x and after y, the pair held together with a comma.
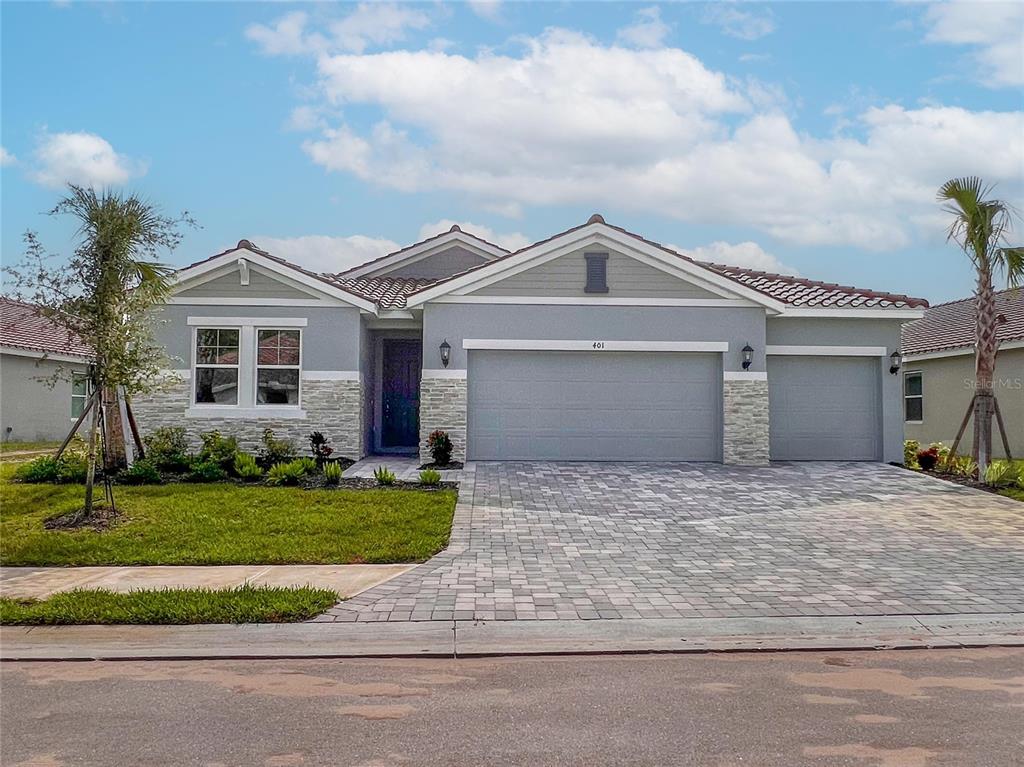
x: 597, y: 273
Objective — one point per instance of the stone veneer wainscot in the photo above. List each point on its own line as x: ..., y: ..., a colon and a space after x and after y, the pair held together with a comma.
x: 745, y: 422
x: 443, y: 406
x: 333, y: 407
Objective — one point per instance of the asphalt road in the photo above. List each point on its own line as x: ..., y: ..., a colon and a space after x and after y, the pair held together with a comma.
x: 913, y: 708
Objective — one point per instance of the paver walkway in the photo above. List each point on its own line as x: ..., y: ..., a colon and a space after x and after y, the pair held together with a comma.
x: 41, y: 582
x: 566, y: 541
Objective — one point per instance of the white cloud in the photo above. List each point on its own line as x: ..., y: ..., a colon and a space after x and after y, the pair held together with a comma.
x: 647, y: 31
x: 81, y: 158
x: 508, y: 240
x: 744, y: 24
x: 487, y: 9
x: 320, y: 253
x: 6, y: 158
x: 748, y: 254
x: 995, y: 28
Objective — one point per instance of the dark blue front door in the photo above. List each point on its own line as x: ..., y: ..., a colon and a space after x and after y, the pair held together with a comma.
x: 400, y: 393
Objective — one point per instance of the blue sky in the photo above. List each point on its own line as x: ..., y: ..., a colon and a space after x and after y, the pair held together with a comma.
x: 789, y: 136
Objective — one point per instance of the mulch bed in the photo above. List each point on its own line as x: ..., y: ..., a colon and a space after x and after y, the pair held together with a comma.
x: 957, y: 479
x: 450, y: 466
x: 102, y: 518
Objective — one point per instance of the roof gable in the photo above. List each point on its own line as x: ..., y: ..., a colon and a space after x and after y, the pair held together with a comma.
x: 398, y: 263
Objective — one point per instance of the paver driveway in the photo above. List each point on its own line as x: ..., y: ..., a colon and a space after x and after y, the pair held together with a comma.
x: 579, y: 540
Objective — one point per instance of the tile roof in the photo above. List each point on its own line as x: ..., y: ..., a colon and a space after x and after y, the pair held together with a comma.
x: 387, y: 292
x: 21, y: 327
x: 951, y: 325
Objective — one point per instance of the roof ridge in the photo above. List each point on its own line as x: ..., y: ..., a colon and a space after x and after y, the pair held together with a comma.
x: 973, y: 297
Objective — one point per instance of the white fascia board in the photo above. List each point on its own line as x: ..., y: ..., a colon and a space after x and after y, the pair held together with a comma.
x: 232, y: 411
x: 744, y: 375
x: 331, y: 375
x: 841, y: 313
x: 269, y: 322
x: 961, y: 351
x: 594, y: 301
x: 827, y: 351
x: 598, y: 235
x: 212, y: 301
x: 512, y: 344
x: 215, y: 267
x: 49, y: 356
x: 414, y: 253
x: 445, y: 373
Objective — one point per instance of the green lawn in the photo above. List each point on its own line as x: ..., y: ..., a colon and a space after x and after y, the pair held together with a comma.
x: 245, y: 604
x: 13, y: 447
x: 1013, y: 492
x: 220, y: 524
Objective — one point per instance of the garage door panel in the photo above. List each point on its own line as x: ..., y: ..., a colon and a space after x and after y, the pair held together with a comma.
x: 593, y: 406
x: 824, y: 408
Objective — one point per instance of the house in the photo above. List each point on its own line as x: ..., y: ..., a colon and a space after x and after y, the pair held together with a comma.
x: 938, y: 377
x: 43, y: 376
x: 593, y: 344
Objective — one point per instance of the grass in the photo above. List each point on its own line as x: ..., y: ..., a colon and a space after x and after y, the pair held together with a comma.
x: 222, y: 524
x: 245, y: 604
x: 1013, y: 492
x: 12, y: 447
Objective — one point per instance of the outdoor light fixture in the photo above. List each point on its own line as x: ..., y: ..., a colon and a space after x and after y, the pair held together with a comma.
x: 896, y: 360
x: 446, y: 352
x: 748, y: 356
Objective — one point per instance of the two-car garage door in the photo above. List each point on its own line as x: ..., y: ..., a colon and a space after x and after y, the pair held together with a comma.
x: 543, y: 405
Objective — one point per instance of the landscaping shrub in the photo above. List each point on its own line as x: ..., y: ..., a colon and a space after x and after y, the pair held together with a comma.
x: 276, y: 450
x: 927, y: 459
x: 384, y: 476
x: 142, y: 472
x: 290, y: 473
x: 961, y: 465
x: 205, y: 471
x: 246, y: 467
x: 430, y: 477
x: 1002, y: 474
x: 941, y: 451
x: 68, y: 469
x: 167, y: 448
x: 910, y: 450
x: 440, y: 445
x: 332, y: 473
x: 320, y: 446
x: 218, y: 449
x: 309, y: 465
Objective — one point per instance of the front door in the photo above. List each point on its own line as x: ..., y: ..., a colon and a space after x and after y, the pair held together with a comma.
x: 400, y: 393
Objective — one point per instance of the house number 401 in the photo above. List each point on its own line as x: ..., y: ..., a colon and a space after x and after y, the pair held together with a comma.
x: 598, y: 344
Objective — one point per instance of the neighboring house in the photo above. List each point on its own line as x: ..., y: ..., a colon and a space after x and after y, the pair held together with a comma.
x: 938, y: 372
x: 594, y: 344
x: 32, y: 351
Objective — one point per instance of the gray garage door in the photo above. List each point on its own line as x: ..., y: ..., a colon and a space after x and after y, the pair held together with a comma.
x: 574, y: 406
x: 824, y: 408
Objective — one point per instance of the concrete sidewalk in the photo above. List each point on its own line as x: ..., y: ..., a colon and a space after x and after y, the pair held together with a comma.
x: 41, y: 582
x: 448, y: 639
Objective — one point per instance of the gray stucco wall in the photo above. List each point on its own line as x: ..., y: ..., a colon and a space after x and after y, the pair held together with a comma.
x: 948, y: 384
x: 331, y: 339
x: 738, y: 326
x: 567, y: 276
x: 853, y: 332
x: 28, y: 407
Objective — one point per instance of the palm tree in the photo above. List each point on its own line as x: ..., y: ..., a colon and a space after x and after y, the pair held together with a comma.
x: 979, y: 227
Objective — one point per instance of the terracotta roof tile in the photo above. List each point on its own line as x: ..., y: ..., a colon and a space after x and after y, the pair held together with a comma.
x: 387, y: 292
x: 22, y: 327
x: 951, y: 325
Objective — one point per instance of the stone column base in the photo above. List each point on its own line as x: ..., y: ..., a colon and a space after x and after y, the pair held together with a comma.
x: 745, y: 421
x: 443, y: 406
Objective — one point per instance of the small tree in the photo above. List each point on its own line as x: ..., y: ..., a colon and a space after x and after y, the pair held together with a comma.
x: 103, y: 294
x: 979, y: 226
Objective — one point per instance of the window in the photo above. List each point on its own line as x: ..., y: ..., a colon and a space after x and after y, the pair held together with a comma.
x: 81, y: 388
x: 277, y: 367
x: 913, y: 397
x: 597, y: 273
x: 217, y: 366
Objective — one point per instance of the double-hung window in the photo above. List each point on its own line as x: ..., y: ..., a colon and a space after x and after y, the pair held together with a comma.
x: 217, y: 366
x: 913, y: 397
x: 81, y: 388
x: 277, y: 366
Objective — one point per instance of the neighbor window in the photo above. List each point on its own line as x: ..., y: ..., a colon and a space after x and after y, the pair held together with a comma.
x: 277, y: 367
x: 216, y: 366
x: 597, y: 273
x: 81, y: 388
x: 913, y: 397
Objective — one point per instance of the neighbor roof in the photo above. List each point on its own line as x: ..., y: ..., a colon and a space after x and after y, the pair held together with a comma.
x: 951, y: 325
x: 22, y: 327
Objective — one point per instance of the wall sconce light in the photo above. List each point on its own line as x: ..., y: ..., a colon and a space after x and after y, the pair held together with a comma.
x: 896, y: 360
x: 446, y: 352
x: 748, y: 356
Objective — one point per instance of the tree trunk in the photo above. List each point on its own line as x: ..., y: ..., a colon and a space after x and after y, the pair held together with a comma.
x: 90, y: 474
x: 986, y: 343
x: 114, y: 457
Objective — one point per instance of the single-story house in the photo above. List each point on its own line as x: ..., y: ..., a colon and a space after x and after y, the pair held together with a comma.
x: 43, y: 376
x: 593, y: 344
x: 938, y: 372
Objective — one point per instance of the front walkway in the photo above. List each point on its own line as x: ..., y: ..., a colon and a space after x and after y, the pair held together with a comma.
x: 653, y: 541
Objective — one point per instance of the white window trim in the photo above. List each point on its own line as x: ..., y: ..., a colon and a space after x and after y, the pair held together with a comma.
x: 915, y: 396
x: 196, y: 365
x: 88, y: 389
x: 827, y: 351
x: 600, y: 345
x: 241, y: 322
x: 256, y: 367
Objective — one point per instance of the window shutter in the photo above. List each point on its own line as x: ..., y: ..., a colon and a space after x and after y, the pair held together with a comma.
x: 597, y: 273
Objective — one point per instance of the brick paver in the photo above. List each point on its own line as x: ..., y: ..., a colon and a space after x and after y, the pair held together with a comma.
x: 544, y: 541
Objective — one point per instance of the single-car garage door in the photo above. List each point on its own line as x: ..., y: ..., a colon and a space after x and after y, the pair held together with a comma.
x: 824, y: 408
x: 576, y: 406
